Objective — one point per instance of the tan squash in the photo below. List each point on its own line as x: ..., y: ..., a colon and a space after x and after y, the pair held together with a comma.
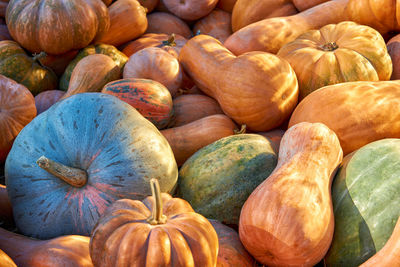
x: 189, y: 108
x: 288, y: 219
x: 271, y: 34
x: 6, y: 214
x: 358, y: 112
x: 393, y: 47
x: 185, y: 140
x: 162, y: 22
x: 127, y: 22
x: 257, y: 89
x: 246, y: 12
x: 155, y: 64
x: 91, y: 74
x: 226, y: 5
x: 190, y: 9
x: 216, y: 24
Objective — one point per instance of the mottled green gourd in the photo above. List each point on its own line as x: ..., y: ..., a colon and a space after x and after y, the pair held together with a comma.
x: 218, y: 178
x: 105, y: 49
x: 366, y: 202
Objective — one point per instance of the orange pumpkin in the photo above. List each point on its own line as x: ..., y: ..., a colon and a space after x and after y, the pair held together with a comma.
x: 155, y: 64
x: 162, y: 22
x: 216, y: 24
x: 160, y: 231
x: 302, y: 5
x: 257, y: 89
x: 149, y: 4
x: 336, y: 53
x: 393, y: 47
x: 274, y: 136
x: 58, y: 63
x: 226, y: 5
x: 190, y: 9
x: 288, y: 219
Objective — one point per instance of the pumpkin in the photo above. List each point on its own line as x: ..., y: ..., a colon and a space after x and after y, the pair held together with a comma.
x: 216, y: 24
x: 218, y: 178
x: 288, y: 219
x: 268, y: 82
x: 87, y: 151
x: 5, y: 260
x: 4, y: 33
x: 17, y: 109
x: 337, y: 53
x: 271, y: 34
x: 172, y: 44
x: 149, y: 4
x: 91, y: 74
x: 127, y: 21
x: 43, y: 25
x: 108, y: 50
x: 365, y: 216
x: 302, y: 5
x: 17, y: 65
x: 5, y: 206
x: 185, y: 140
x: 156, y: 64
x: 358, y: 112
x: 389, y: 255
x: 274, y: 137
x: 46, y: 99
x: 393, y: 47
x: 107, y: 2
x: 70, y: 250
x: 190, y: 9
x: 148, y: 97
x: 189, y: 108
x: 160, y: 231
x: 246, y: 12
x: 3, y: 8
x: 192, y: 90
x: 58, y: 63
x: 231, y: 251
x: 162, y: 22
x: 226, y: 5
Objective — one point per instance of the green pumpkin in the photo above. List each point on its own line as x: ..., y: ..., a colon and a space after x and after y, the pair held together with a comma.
x: 366, y: 202
x: 109, y: 50
x: 218, y: 178
x: 17, y: 65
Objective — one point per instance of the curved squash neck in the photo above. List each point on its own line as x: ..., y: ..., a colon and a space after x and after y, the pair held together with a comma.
x: 18, y: 247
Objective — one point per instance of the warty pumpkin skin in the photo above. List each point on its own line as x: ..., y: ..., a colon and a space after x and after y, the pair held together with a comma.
x: 148, y: 97
x: 156, y: 64
x: 113, y: 150
x: 271, y: 34
x: 190, y: 9
x: 46, y: 99
x: 108, y: 50
x: 17, y: 109
x: 288, y: 219
x: 47, y: 25
x: 5, y: 260
x: 162, y: 22
x: 160, y: 231
x: 337, y: 53
x: 64, y: 251
x: 185, y: 140
x: 127, y: 21
x: 216, y: 24
x: 17, y: 65
x: 268, y: 82
x: 358, y: 112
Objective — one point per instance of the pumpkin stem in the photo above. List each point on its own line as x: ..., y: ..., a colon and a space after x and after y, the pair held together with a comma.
x: 157, y: 216
x: 331, y: 46
x: 36, y: 57
x: 242, y: 129
x: 73, y: 176
x: 170, y: 41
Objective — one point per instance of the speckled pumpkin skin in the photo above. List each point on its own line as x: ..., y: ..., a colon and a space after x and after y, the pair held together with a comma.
x: 150, y: 98
x: 117, y: 147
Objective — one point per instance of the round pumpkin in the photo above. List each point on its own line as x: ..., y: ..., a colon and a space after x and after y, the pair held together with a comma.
x: 79, y: 156
x: 150, y: 98
x: 55, y: 27
x: 160, y: 231
x: 162, y: 22
x: 218, y: 178
x: 108, y: 50
x: 190, y: 9
x: 366, y: 202
x: 17, y: 109
x: 216, y: 24
x: 337, y: 53
x: 46, y: 99
x: 17, y: 65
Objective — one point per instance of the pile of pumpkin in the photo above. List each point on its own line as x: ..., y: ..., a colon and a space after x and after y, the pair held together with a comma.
x: 200, y: 133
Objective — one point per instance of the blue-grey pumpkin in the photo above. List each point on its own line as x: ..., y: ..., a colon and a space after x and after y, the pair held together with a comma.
x: 112, y: 149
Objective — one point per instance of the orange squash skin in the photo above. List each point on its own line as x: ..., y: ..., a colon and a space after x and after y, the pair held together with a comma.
x: 190, y: 9
x: 393, y: 47
x: 162, y: 22
x: 216, y: 24
x: 226, y: 5
x: 358, y: 112
x: 5, y: 260
x: 302, y: 5
x: 268, y: 82
x: 288, y: 219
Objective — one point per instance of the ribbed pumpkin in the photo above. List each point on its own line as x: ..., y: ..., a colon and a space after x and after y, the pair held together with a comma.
x: 108, y: 50
x: 218, y: 178
x: 337, y: 53
x: 55, y: 27
x: 150, y: 98
x: 79, y: 156
x: 216, y: 24
x: 17, y: 109
x: 366, y: 202
x: 17, y: 65
x: 162, y: 22
x: 160, y: 231
x: 46, y: 99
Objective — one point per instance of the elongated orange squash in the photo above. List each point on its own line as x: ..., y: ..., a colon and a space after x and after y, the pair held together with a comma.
x: 288, y: 219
